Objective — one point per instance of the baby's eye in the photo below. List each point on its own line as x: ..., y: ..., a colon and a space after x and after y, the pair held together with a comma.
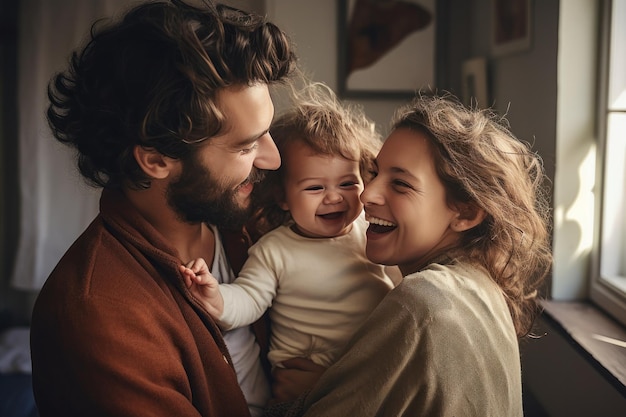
x: 314, y: 188
x: 348, y: 184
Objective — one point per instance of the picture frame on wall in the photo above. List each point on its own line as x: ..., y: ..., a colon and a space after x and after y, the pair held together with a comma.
x: 511, y: 26
x: 387, y: 48
x: 475, y: 87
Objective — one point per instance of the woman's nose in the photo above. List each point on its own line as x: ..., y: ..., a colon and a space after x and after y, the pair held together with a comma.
x: 371, y: 194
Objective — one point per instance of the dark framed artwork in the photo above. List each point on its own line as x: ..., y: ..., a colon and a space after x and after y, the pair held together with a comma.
x: 511, y: 26
x: 387, y: 48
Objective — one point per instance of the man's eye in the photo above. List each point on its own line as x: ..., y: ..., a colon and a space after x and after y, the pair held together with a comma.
x: 373, y: 173
x: 245, y: 151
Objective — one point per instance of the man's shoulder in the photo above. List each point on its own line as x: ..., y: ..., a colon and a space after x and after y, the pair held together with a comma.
x: 98, y: 265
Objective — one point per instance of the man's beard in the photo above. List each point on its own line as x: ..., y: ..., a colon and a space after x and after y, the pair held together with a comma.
x: 198, y: 198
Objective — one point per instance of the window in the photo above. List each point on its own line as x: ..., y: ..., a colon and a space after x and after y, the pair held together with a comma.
x: 608, y: 285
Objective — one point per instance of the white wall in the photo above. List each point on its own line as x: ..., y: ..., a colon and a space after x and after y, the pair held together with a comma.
x: 576, y: 145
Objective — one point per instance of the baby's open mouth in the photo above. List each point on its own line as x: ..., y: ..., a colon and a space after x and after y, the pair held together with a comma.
x: 332, y: 216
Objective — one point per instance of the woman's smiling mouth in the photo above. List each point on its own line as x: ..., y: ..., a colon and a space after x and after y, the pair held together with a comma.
x: 379, y: 225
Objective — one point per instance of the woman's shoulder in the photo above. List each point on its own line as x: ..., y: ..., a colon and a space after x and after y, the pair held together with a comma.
x: 446, y: 277
x: 449, y: 287
x: 458, y: 296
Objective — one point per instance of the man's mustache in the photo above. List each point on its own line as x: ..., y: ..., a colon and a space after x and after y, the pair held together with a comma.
x: 255, y: 176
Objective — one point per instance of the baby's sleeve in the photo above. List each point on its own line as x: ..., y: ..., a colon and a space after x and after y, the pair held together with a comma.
x: 251, y: 293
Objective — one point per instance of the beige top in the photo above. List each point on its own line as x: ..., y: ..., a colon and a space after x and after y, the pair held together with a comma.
x: 320, y: 291
x: 442, y: 343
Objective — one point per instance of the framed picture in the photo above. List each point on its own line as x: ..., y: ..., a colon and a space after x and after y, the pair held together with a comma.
x: 387, y: 48
x: 475, y: 85
x: 511, y: 26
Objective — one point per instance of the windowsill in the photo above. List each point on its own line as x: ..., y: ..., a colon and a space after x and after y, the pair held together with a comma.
x: 598, y: 337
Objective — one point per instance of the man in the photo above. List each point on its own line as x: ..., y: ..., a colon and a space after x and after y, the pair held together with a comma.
x: 169, y: 111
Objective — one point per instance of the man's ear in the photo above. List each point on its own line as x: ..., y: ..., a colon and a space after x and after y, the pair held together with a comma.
x: 153, y: 163
x: 468, y: 216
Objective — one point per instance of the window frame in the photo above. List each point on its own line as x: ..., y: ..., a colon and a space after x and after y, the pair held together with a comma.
x: 601, y: 291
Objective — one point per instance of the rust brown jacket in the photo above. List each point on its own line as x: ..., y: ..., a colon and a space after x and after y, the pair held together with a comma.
x: 116, y: 333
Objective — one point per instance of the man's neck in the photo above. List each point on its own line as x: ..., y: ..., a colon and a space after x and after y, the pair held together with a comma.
x: 192, y: 240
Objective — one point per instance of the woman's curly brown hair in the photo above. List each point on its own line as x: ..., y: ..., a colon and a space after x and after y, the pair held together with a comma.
x: 479, y: 160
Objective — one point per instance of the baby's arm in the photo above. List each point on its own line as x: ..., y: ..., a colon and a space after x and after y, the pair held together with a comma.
x: 204, y: 286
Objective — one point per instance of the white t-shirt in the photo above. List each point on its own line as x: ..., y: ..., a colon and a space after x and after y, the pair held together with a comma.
x: 241, y: 343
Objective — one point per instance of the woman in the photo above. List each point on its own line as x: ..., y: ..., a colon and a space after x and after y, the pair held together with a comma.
x: 457, y: 203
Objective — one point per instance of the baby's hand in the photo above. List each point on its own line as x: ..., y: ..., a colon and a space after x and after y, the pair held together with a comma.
x: 196, y: 272
x: 203, y: 286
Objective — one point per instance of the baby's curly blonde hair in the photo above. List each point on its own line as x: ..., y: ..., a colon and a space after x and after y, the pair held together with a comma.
x: 479, y: 160
x: 321, y: 121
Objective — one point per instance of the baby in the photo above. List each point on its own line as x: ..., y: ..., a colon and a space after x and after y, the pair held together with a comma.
x: 311, y: 267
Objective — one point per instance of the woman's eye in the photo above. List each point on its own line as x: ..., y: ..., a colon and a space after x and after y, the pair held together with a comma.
x: 374, y: 174
x: 401, y: 184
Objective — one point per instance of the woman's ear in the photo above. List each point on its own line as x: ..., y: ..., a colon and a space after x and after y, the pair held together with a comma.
x: 469, y: 215
x: 153, y: 163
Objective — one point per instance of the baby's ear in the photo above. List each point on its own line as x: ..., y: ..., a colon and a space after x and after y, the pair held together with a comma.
x: 280, y: 198
x: 469, y: 215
